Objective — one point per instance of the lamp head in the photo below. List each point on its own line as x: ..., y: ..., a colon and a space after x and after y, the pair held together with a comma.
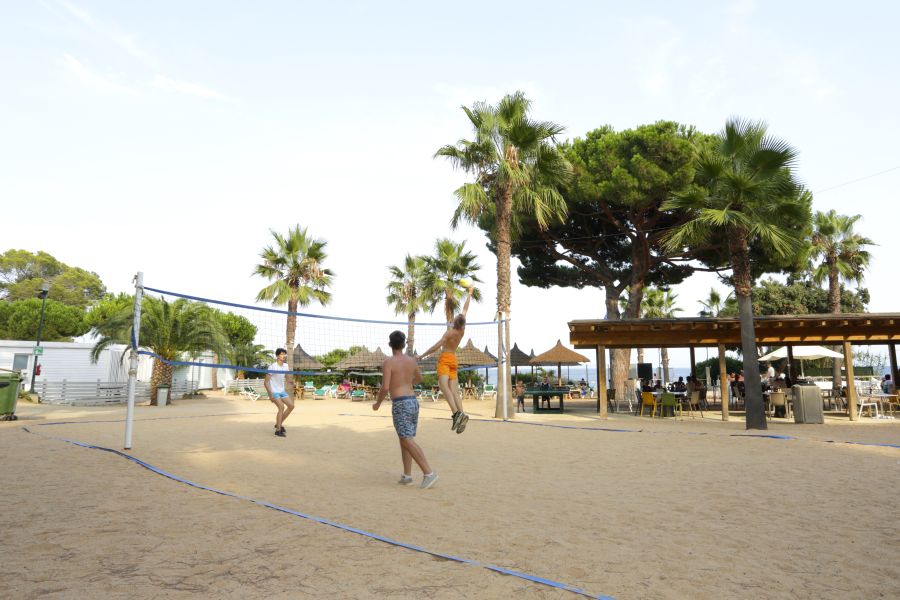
x: 45, y: 290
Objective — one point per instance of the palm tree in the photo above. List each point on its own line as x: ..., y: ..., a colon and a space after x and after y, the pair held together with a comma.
x: 517, y: 169
x: 443, y: 270
x: 406, y: 294
x: 169, y: 330
x: 250, y: 355
x: 714, y: 306
x: 660, y: 304
x: 843, y: 255
x: 752, y: 198
x: 294, y: 266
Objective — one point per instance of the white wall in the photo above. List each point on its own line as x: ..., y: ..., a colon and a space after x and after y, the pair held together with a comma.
x: 72, y: 361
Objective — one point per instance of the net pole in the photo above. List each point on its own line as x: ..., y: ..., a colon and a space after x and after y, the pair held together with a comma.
x: 133, y: 356
x: 507, y: 371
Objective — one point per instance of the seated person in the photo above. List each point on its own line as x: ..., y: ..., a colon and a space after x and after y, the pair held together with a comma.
x: 544, y: 385
x: 679, y: 386
x: 888, y: 386
x: 344, y: 389
x: 583, y: 387
x: 658, y: 386
x: 646, y: 386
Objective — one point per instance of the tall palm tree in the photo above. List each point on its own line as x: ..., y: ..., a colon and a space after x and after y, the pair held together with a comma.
x: 406, y: 293
x: 751, y: 196
x: 843, y: 255
x: 517, y: 169
x: 294, y: 266
x: 715, y: 306
x: 170, y: 330
x: 660, y: 304
x: 443, y: 270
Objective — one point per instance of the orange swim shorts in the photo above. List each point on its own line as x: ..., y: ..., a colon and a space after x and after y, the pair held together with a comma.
x: 447, y: 365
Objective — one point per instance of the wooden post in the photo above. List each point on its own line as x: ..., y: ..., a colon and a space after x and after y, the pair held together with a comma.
x: 892, y: 354
x: 601, y: 382
x: 851, y: 382
x: 723, y: 381
x: 790, y: 369
x: 693, y: 363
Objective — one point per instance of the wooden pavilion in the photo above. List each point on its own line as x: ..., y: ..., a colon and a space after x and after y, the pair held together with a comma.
x: 783, y: 330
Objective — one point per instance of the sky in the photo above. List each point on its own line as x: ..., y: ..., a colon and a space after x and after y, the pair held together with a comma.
x: 171, y: 137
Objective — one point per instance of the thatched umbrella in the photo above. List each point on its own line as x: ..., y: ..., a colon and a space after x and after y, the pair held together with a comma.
x: 305, y: 362
x: 427, y: 364
x: 470, y: 356
x: 517, y: 358
x: 361, y: 360
x: 558, y: 355
x: 493, y: 358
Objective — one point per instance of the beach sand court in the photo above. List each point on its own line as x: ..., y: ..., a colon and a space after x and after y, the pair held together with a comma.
x: 665, y: 509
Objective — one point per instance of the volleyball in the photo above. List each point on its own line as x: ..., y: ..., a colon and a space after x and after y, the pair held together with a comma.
x: 466, y: 282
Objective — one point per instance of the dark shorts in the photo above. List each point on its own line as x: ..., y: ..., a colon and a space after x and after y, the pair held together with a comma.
x: 405, y: 411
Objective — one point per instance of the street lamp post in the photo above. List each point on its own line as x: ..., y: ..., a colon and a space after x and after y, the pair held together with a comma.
x: 45, y: 290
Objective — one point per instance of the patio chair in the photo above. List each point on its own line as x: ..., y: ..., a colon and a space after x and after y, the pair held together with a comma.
x: 648, y: 399
x: 321, y: 393
x: 867, y: 402
x: 249, y: 393
x: 425, y: 394
x: 693, y: 400
x: 358, y: 395
x: 637, y: 397
x: 777, y: 399
x: 332, y: 391
x: 667, y: 399
x: 489, y: 392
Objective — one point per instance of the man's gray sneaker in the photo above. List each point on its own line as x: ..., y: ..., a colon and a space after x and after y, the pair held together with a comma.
x: 461, y: 423
x: 428, y: 481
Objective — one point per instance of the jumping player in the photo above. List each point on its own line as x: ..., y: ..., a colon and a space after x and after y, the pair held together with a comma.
x: 447, y: 366
x: 401, y: 373
x: 275, y: 386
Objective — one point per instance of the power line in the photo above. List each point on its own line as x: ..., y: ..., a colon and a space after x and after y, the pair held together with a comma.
x: 834, y: 187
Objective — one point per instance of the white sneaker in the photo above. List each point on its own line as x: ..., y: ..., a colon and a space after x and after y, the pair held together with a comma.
x: 405, y: 479
x: 428, y: 481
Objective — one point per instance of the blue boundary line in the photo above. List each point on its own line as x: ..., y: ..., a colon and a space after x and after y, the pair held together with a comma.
x: 347, y: 528
x: 298, y: 314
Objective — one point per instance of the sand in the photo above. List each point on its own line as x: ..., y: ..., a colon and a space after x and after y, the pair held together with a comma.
x: 679, y: 509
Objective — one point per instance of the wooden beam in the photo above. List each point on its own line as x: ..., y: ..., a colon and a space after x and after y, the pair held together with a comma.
x: 892, y: 354
x: 601, y: 382
x: 790, y: 365
x: 851, y: 382
x: 723, y: 381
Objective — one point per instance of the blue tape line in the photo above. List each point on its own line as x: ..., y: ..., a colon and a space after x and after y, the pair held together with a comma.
x: 348, y: 528
x: 862, y: 444
x: 513, y: 423
x: 286, y: 312
x: 764, y: 435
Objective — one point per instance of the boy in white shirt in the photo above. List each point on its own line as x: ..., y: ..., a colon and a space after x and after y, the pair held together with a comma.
x: 277, y: 394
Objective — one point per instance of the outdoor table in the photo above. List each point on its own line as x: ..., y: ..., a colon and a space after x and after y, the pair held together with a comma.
x: 536, y: 396
x: 680, y: 396
x: 881, y: 400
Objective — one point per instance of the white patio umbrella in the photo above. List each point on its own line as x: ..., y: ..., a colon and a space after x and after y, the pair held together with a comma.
x: 802, y: 353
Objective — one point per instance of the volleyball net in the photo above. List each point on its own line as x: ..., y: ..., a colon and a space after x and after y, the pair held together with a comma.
x: 247, y: 337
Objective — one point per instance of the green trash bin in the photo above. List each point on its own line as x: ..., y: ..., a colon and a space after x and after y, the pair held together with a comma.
x: 9, y: 395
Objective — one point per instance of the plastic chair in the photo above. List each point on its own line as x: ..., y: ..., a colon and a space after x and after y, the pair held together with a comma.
x: 358, y: 395
x: 693, y: 400
x: 778, y: 399
x: 321, y: 393
x: 489, y: 392
x: 250, y: 394
x: 669, y: 399
x: 867, y: 402
x: 648, y: 399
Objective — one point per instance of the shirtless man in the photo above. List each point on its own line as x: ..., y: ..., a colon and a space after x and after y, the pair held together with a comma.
x: 447, y: 366
x: 401, y: 373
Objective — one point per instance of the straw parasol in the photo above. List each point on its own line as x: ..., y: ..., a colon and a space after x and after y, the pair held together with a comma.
x: 558, y: 355
x: 305, y: 362
x: 493, y: 358
x: 470, y: 356
x: 362, y: 360
x: 517, y: 358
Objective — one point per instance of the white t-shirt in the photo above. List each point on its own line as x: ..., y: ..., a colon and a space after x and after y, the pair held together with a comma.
x: 276, y: 380
x: 771, y: 372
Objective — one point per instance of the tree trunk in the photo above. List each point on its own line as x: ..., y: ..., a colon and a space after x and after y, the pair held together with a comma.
x: 619, y: 358
x: 161, y: 375
x: 215, y: 379
x: 740, y: 261
x: 411, y: 334
x: 665, y: 364
x: 834, y: 295
x: 640, y: 355
x: 504, y: 222
x: 289, y: 337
